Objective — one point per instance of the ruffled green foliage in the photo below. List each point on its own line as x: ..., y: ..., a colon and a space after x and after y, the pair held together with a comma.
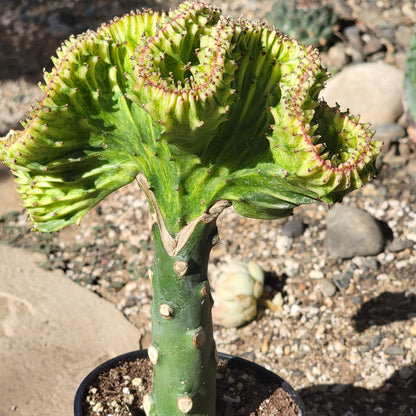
x: 205, y: 107
x: 312, y: 25
x: 410, y: 77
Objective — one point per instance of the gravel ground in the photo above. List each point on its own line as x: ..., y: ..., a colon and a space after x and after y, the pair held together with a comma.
x: 349, y: 352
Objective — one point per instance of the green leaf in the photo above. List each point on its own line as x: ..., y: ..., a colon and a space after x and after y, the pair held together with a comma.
x: 205, y: 107
x: 84, y: 139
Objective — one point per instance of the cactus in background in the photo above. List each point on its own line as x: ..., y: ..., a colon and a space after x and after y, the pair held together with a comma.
x: 204, y: 112
x: 236, y: 291
x: 312, y: 26
x: 410, y: 77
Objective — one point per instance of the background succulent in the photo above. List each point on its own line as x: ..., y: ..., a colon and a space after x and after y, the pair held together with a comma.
x: 312, y: 25
x: 237, y: 289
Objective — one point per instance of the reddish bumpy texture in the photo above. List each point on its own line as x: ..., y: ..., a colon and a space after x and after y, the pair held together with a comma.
x: 205, y: 107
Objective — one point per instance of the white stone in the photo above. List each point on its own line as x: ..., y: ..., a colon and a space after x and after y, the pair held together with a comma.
x: 53, y: 333
x: 316, y: 274
x: 372, y: 90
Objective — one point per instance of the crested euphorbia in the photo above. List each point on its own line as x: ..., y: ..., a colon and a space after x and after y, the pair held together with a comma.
x: 205, y: 112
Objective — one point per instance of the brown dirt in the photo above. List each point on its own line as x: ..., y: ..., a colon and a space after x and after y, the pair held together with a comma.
x: 240, y: 391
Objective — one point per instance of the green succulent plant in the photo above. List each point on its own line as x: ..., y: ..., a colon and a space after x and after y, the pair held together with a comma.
x: 410, y: 77
x: 204, y: 112
x: 236, y: 292
x: 310, y: 25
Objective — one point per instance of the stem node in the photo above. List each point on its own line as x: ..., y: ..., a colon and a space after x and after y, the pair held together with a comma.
x: 185, y: 404
x: 166, y: 311
x: 180, y: 267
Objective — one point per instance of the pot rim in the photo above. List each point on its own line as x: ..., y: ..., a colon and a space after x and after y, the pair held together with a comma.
x: 232, y: 360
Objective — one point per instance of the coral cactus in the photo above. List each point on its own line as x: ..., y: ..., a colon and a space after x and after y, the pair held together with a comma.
x: 236, y: 291
x: 310, y: 25
x: 204, y: 112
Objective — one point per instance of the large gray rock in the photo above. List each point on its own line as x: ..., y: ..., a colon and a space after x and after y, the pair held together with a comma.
x: 352, y: 232
x: 10, y: 200
x: 372, y: 90
x: 52, y: 333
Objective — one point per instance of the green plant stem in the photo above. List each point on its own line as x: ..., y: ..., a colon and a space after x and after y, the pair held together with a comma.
x: 183, y: 350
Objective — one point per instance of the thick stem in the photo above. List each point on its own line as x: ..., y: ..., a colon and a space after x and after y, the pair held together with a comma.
x: 183, y: 350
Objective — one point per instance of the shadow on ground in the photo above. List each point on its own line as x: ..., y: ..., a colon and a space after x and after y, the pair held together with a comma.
x: 384, y: 309
x: 396, y: 397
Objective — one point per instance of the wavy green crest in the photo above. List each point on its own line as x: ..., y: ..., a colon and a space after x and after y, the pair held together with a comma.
x: 206, y: 107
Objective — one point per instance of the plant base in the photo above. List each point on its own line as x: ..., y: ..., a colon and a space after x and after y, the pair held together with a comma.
x: 243, y: 388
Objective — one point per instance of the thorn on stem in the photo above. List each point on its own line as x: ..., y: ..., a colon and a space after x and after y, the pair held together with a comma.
x: 153, y: 354
x: 199, y: 339
x: 166, y: 311
x: 180, y: 267
x: 185, y: 404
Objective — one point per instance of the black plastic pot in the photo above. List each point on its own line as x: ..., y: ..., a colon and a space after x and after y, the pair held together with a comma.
x: 232, y: 362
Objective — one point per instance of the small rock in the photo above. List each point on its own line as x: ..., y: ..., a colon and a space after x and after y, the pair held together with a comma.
x: 413, y: 330
x: 399, y: 59
x: 316, y: 274
x: 279, y: 350
x: 283, y: 243
x: 399, y: 245
x: 367, y: 263
x: 278, y: 300
x: 411, y: 168
x: 371, y: 44
x: 403, y: 35
x: 387, y: 30
x: 295, y: 310
x: 357, y: 300
x: 405, y: 150
x: 401, y: 264
x: 355, y: 54
x: 352, y: 232
x: 352, y: 33
x: 389, y: 258
x: 373, y: 90
x: 343, y: 281
x: 293, y: 228
x: 405, y: 373
x: 355, y: 357
x: 393, y: 350
x: 328, y: 289
x: 137, y: 382
x: 98, y: 408
x: 408, y: 343
x: 291, y: 267
x: 389, y: 132
x: 375, y: 342
x: 336, y: 58
x: 339, y: 346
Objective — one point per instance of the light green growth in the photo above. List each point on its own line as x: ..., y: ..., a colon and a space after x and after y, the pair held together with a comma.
x: 410, y: 77
x: 229, y: 110
x: 236, y: 292
x: 204, y: 112
x: 311, y: 25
